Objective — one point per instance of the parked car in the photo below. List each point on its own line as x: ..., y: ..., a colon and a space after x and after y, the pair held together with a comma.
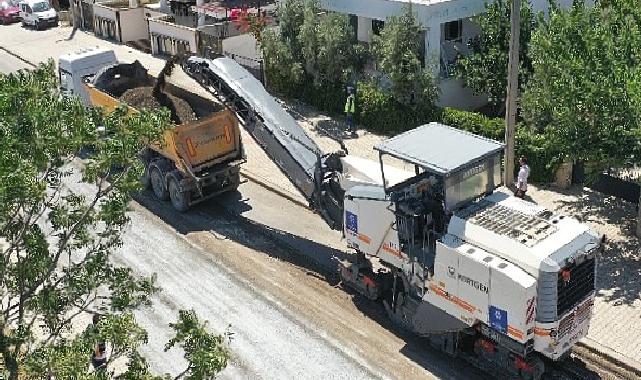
x: 9, y: 11
x: 38, y: 14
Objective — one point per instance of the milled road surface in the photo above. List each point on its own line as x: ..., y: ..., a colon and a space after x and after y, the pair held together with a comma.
x: 288, y: 319
x: 290, y: 272
x: 269, y: 341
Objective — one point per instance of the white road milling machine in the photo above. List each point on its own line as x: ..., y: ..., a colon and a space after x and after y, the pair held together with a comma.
x: 482, y: 274
x: 473, y: 269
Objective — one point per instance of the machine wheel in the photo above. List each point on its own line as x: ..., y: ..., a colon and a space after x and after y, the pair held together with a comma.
x: 24, y: 24
x: 179, y: 199
x: 235, y: 181
x: 158, y: 183
x: 538, y: 368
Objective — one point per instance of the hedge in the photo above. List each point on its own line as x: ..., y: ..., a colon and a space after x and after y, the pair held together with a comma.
x: 543, y: 156
x: 477, y: 123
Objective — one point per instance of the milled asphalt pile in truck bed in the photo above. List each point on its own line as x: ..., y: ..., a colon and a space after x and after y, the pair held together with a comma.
x: 142, y: 97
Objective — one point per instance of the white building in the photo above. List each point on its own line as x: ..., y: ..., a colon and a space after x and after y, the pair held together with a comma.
x: 447, y: 27
x: 121, y: 21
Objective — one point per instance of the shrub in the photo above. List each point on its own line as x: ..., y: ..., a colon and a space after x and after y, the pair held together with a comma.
x: 379, y: 111
x: 543, y: 156
x: 493, y: 128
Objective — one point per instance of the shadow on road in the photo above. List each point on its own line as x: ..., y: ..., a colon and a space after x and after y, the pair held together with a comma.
x: 620, y: 264
x: 316, y: 259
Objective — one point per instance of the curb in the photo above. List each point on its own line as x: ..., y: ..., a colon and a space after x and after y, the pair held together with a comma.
x: 17, y: 56
x: 611, y: 355
x: 263, y: 182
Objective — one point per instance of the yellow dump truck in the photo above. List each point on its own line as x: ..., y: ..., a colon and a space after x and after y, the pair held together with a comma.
x: 198, y: 158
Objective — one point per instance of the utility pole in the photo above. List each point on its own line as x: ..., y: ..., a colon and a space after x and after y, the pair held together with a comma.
x: 512, y: 91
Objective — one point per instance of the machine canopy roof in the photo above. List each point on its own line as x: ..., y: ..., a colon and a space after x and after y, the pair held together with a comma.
x: 439, y: 149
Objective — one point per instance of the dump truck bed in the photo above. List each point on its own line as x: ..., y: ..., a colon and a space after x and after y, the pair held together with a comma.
x: 211, y: 139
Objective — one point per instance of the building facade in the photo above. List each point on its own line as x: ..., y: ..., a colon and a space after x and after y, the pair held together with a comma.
x: 447, y: 26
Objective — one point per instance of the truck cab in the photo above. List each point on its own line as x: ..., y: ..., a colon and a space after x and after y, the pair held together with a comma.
x: 75, y: 69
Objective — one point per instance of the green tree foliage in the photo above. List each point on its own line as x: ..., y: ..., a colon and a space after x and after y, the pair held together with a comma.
x: 397, y: 51
x: 543, y: 154
x: 311, y: 47
x: 61, y: 216
x: 206, y: 353
x: 584, y: 93
x: 484, y: 70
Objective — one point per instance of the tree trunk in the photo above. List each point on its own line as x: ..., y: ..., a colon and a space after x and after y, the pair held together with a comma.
x: 639, y: 218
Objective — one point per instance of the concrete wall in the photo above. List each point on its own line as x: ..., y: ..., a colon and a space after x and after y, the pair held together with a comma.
x: 455, y: 95
x: 164, y: 28
x: 100, y: 10
x: 133, y: 25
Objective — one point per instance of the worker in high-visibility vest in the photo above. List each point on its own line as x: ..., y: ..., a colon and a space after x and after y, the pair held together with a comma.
x: 349, y: 110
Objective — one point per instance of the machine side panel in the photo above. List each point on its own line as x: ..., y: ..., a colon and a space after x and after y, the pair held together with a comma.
x: 430, y: 319
x: 443, y: 288
x: 474, y: 282
x: 369, y: 226
x: 512, y: 309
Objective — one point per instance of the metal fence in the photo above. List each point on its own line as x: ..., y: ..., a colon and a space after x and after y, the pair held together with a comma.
x: 253, y: 65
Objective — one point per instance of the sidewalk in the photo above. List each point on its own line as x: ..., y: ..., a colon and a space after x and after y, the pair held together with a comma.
x: 617, y: 313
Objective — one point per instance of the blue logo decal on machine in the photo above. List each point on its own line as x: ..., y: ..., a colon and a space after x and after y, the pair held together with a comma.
x: 351, y: 222
x: 498, y: 319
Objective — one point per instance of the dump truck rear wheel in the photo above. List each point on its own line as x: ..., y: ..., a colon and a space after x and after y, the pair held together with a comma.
x: 179, y: 199
x: 235, y: 181
x: 158, y: 183
x: 145, y: 179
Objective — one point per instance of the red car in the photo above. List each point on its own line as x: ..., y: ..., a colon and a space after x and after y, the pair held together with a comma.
x: 9, y: 11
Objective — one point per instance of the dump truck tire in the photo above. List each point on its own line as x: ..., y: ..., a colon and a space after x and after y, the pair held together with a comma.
x: 158, y: 182
x: 145, y: 178
x: 179, y: 199
x: 235, y: 181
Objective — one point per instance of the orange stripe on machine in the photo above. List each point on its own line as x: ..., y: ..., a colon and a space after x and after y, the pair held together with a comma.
x: 364, y: 238
x: 455, y: 300
x: 386, y: 247
x: 511, y: 330
x: 541, y: 332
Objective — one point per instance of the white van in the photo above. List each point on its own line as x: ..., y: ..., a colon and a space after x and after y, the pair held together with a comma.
x: 38, y: 14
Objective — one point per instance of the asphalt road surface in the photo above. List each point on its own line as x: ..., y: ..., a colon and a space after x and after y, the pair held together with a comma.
x: 260, y: 266
x: 9, y: 63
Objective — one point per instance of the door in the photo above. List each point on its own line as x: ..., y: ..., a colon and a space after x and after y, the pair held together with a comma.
x: 26, y: 13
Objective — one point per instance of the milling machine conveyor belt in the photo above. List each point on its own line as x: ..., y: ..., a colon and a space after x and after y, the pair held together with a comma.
x: 278, y: 133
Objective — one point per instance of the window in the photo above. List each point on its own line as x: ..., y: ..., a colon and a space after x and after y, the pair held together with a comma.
x: 377, y: 26
x: 453, y: 31
x: 41, y: 7
x: 65, y: 81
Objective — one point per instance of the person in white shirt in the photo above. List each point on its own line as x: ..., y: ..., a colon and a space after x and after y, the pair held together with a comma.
x: 524, y: 173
